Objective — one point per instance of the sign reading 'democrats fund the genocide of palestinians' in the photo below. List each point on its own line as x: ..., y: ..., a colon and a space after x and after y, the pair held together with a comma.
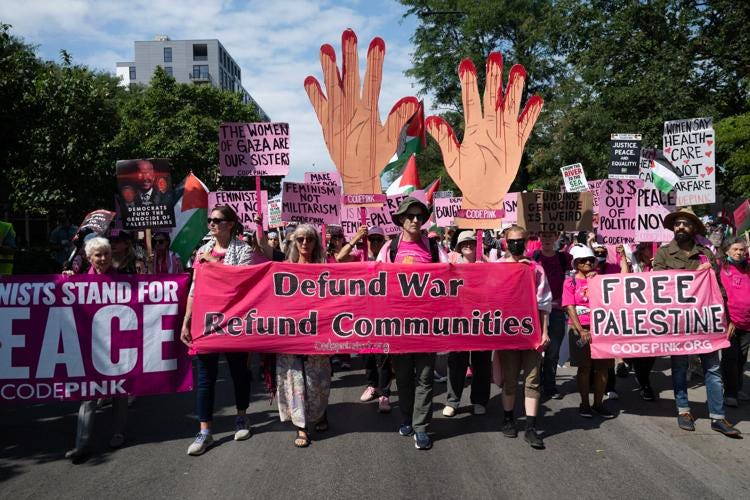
x: 690, y: 147
x: 660, y: 313
x: 624, y: 156
x: 254, y: 149
x: 550, y: 211
x: 145, y: 197
x: 92, y: 336
x: 575, y: 178
x: 364, y: 307
x: 313, y: 203
x: 618, y: 200
x: 243, y: 203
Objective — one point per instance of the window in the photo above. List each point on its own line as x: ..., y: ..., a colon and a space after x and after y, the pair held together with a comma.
x: 200, y: 52
x: 132, y: 73
x: 168, y: 69
x: 167, y: 54
x: 200, y: 72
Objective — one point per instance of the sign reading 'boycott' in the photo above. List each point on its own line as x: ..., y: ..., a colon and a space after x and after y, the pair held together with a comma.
x: 254, y: 149
x: 91, y: 336
x: 364, y: 307
x: 660, y: 313
x: 550, y: 211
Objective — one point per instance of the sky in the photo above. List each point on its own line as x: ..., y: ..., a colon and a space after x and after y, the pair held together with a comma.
x: 276, y: 43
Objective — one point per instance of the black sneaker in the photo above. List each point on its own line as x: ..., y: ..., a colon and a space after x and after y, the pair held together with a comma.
x: 585, y: 411
x: 509, y: 429
x: 533, y: 439
x: 405, y: 429
x: 723, y: 426
x: 647, y: 394
x: 686, y: 422
x: 603, y: 412
x: 622, y: 370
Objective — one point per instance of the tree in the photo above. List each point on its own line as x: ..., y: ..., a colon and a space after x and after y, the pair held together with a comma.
x: 733, y: 144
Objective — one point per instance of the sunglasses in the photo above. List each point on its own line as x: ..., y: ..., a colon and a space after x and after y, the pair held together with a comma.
x: 215, y: 221
x: 302, y: 239
x: 685, y: 223
x: 419, y: 216
x: 589, y: 260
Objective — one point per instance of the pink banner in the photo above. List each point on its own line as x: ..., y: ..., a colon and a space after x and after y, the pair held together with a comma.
x: 661, y: 313
x: 618, y: 202
x: 312, y: 203
x: 243, y: 202
x: 247, y: 149
x: 364, y: 307
x: 91, y: 336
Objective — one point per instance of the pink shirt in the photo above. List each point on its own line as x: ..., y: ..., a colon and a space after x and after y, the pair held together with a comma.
x: 577, y: 295
x: 736, y: 283
x: 412, y: 252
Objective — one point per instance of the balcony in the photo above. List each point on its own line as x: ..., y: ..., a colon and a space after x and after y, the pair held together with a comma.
x: 200, y: 77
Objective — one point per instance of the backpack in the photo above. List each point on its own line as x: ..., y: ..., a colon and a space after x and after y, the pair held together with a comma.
x: 434, y: 252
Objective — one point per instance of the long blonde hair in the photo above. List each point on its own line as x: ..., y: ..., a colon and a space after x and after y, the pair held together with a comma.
x: 318, y: 256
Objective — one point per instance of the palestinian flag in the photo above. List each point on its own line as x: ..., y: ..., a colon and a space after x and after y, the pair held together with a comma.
x: 663, y: 175
x: 429, y: 191
x: 407, y: 182
x: 191, y: 211
x: 411, y: 141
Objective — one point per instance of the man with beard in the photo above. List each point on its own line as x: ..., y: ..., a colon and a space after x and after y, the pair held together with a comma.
x: 683, y: 252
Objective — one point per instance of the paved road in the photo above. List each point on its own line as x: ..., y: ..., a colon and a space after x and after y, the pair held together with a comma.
x: 640, y: 454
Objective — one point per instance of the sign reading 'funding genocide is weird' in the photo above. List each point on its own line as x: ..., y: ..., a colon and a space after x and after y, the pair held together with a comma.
x: 254, y: 149
x: 550, y: 211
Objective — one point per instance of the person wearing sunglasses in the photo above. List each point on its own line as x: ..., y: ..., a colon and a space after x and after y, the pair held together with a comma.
x: 415, y: 371
x: 224, y: 247
x: 304, y: 382
x: 164, y: 260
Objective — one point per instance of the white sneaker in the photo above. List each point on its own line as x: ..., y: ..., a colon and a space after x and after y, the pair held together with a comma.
x: 479, y: 409
x: 241, y: 429
x: 613, y: 395
x: 200, y: 445
x: 449, y: 411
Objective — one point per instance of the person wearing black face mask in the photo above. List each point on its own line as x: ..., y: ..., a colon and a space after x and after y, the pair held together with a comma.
x: 683, y: 252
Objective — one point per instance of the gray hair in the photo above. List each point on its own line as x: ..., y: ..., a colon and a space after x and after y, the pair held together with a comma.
x: 318, y: 255
x: 97, y: 243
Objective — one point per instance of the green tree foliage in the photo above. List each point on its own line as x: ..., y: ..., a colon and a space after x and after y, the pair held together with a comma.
x: 733, y: 143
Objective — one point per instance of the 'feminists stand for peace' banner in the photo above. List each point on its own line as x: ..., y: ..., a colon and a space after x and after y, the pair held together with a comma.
x: 661, y: 313
x: 364, y: 307
x: 90, y: 336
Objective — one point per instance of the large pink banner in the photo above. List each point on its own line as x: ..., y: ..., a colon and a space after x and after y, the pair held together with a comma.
x: 91, y: 336
x: 364, y: 308
x: 661, y: 313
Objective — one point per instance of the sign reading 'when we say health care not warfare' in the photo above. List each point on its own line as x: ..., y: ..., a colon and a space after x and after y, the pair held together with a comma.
x: 690, y: 147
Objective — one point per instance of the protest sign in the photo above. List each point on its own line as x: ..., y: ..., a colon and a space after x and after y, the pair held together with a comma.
x: 549, y: 211
x: 653, y: 206
x: 690, y: 147
x: 742, y: 217
x: 244, y: 203
x: 618, y: 201
x: 145, y: 195
x: 364, y: 307
x: 624, y: 156
x: 574, y: 178
x: 594, y: 189
x: 92, y: 336
x: 274, y: 214
x: 445, y: 210
x: 97, y: 221
x: 313, y: 203
x: 443, y: 194
x: 660, y: 313
x: 510, y: 205
x: 247, y: 149
x: 328, y: 178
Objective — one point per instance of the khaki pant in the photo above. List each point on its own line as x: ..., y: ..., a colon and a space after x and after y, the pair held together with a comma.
x: 513, y: 362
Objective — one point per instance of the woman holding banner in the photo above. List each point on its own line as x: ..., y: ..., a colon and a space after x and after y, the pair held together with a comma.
x: 304, y: 382
x: 99, y: 254
x: 227, y: 248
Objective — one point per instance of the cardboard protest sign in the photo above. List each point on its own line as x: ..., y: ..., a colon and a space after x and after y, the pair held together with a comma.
x: 510, y: 206
x: 328, y: 178
x: 549, y: 211
x: 313, y: 203
x: 624, y: 156
x: 485, y: 164
x: 92, y: 336
x: 445, y: 210
x: 242, y: 202
x: 690, y: 147
x: 618, y: 201
x: 247, y: 149
x: 574, y: 178
x: 360, y: 145
x: 145, y: 195
x: 742, y: 217
x: 653, y: 206
x: 660, y: 313
x: 97, y: 221
x: 378, y: 216
x: 364, y: 307
x: 274, y: 214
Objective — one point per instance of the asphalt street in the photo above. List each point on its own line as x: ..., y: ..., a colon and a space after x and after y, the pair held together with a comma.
x: 640, y: 454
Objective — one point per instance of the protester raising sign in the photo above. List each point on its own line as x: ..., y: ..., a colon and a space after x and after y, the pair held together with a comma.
x: 660, y: 313
x: 97, y: 221
x: 274, y: 214
x: 313, y: 203
x: 575, y: 178
x: 243, y: 203
x: 624, y: 156
x: 550, y: 211
x: 364, y: 307
x: 618, y: 200
x: 254, y: 149
x: 689, y: 145
x: 91, y: 336
x: 145, y: 196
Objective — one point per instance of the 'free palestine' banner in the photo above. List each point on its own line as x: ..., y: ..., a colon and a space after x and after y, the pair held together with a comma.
x: 91, y: 336
x: 364, y: 308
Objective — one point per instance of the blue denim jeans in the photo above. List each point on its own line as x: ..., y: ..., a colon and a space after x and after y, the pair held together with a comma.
x: 208, y: 372
x: 714, y: 385
x: 552, y: 352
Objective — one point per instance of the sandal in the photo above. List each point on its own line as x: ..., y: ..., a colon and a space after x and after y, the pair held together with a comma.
x: 322, y: 424
x: 302, y: 440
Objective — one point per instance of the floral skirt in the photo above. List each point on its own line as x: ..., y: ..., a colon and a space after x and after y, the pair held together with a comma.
x: 302, y: 399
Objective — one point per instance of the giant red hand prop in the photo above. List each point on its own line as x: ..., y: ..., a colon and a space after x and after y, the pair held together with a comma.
x: 484, y: 165
x: 359, y: 145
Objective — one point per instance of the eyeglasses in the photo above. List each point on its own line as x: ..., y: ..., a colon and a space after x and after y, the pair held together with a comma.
x: 589, y: 260
x: 302, y: 239
x: 215, y: 221
x: 419, y: 216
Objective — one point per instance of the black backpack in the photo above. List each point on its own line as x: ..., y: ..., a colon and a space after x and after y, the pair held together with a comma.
x: 434, y: 252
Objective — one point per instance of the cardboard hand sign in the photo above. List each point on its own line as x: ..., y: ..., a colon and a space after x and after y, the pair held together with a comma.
x: 484, y: 165
x: 359, y: 145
